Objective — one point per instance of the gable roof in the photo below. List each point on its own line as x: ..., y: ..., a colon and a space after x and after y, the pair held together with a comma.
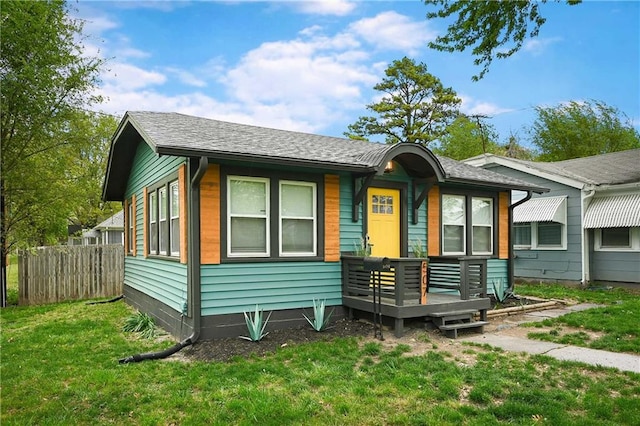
x: 613, y: 168
x: 187, y: 136
x: 114, y: 222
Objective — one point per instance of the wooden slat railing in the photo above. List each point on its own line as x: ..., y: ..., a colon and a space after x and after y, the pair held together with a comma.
x: 466, y: 275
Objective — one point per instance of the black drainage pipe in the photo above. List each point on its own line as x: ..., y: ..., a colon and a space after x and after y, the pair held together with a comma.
x: 156, y: 355
x: 115, y: 299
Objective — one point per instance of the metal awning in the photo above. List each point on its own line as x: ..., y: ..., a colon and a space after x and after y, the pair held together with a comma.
x: 620, y: 211
x: 542, y: 209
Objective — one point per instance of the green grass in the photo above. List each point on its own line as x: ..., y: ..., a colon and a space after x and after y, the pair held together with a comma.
x: 12, y: 280
x: 59, y: 366
x: 617, y: 321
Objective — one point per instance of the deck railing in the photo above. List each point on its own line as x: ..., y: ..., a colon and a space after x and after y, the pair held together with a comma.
x: 402, y: 283
x: 407, y: 280
x: 467, y: 275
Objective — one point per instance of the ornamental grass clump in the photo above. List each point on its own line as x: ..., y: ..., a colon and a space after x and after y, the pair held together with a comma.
x: 320, y: 319
x: 256, y: 325
x: 142, y: 324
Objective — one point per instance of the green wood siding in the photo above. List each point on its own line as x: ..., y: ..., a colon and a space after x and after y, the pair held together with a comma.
x: 165, y: 280
x: 237, y: 288
x: 497, y: 274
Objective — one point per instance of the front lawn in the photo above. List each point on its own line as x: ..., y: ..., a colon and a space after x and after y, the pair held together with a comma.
x: 613, y: 327
x: 59, y: 366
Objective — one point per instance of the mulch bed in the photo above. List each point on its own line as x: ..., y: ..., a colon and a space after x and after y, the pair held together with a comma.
x: 226, y: 349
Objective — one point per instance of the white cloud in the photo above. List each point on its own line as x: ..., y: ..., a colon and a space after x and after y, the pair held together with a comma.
x: 186, y: 77
x: 393, y: 31
x: 472, y: 106
x: 537, y: 46
x: 125, y: 77
x: 325, y: 7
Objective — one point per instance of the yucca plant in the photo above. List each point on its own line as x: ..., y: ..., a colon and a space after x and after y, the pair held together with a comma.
x: 256, y: 325
x: 141, y: 323
x: 320, y: 320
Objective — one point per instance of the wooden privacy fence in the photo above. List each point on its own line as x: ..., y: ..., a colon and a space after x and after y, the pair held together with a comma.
x: 55, y: 274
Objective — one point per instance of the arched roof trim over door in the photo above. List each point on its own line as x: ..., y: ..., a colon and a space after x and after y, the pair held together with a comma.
x: 416, y: 160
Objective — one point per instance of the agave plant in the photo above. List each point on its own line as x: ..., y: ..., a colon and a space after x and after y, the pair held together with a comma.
x: 256, y: 325
x: 320, y: 320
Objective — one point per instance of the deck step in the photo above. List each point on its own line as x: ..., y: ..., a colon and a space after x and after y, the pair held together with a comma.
x: 450, y: 313
x: 451, y: 330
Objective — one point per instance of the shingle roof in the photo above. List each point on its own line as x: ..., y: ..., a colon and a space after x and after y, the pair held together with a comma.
x: 604, y: 169
x: 184, y: 135
x: 115, y: 221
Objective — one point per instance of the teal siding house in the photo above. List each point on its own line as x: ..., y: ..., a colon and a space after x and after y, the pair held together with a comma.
x: 221, y: 217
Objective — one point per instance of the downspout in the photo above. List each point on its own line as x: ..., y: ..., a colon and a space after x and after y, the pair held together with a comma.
x: 193, y: 268
x: 510, y: 263
x: 586, y: 268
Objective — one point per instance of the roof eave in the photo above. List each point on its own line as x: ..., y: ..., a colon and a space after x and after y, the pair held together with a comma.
x: 536, y: 189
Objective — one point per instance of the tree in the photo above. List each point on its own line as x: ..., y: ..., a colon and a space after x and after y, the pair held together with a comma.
x: 581, y: 129
x: 46, y: 81
x: 467, y: 137
x: 490, y: 28
x: 513, y: 149
x: 415, y: 107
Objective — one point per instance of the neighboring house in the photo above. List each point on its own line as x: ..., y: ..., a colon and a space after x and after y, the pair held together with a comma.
x: 587, y: 228
x: 110, y: 231
x: 221, y: 217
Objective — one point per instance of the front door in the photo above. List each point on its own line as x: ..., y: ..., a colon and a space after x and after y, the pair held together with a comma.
x: 383, y: 223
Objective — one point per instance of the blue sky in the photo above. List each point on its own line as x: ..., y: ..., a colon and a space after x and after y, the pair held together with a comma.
x: 311, y: 66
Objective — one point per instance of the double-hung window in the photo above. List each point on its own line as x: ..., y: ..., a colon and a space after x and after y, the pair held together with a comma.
x: 163, y: 219
x: 272, y: 216
x: 248, y: 218
x: 482, y: 223
x: 453, y: 224
x: 467, y: 225
x: 297, y: 218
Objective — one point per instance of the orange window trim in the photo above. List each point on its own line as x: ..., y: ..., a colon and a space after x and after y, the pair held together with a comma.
x: 503, y: 225
x: 210, y: 216
x: 433, y: 222
x: 331, y: 218
x: 145, y: 222
x: 182, y: 197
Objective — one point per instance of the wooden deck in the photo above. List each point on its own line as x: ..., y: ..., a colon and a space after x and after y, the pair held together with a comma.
x: 459, y: 285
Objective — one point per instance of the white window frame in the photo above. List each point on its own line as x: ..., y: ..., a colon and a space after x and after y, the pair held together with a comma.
x: 490, y: 226
x: 464, y: 225
x: 153, y: 220
x: 523, y: 246
x: 534, y: 239
x: 131, y: 223
x: 266, y: 216
x: 634, y: 241
x: 163, y: 220
x: 313, y: 218
x: 171, y: 199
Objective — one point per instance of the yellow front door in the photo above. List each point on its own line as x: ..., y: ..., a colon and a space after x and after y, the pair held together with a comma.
x: 383, y: 223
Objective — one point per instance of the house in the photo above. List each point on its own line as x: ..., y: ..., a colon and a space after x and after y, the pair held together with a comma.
x: 109, y: 231
x: 221, y: 217
x: 587, y: 228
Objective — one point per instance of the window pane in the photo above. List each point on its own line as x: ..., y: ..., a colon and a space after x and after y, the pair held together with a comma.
x: 162, y: 203
x: 153, y: 238
x: 153, y: 212
x: 296, y: 200
x: 248, y: 235
x: 175, y: 201
x: 175, y: 236
x: 482, y: 239
x: 453, y: 209
x: 297, y: 236
x: 163, y: 236
x: 549, y: 234
x: 615, y: 237
x: 482, y: 211
x: 248, y: 197
x: 453, y: 239
x: 522, y: 234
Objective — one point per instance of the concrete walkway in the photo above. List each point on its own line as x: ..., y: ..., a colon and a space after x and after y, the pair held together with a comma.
x: 623, y: 362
